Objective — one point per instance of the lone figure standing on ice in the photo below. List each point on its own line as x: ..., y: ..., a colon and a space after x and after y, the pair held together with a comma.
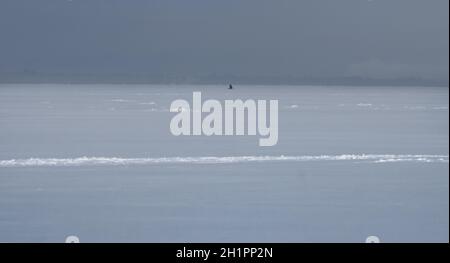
x: 230, y: 86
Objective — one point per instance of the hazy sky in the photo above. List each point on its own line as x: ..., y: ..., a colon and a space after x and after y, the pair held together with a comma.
x: 316, y: 38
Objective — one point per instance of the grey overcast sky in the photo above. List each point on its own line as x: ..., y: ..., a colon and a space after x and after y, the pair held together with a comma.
x: 313, y: 38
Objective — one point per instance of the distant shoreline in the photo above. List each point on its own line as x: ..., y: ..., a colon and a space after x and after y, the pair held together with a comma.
x: 225, y: 84
x: 237, y: 81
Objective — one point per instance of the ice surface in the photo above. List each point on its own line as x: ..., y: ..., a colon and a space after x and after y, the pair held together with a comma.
x: 340, y: 172
x: 85, y: 161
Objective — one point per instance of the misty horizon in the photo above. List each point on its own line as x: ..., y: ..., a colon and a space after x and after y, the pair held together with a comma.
x: 359, y: 42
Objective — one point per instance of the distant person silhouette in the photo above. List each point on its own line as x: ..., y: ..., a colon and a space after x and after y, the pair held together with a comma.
x: 230, y: 86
